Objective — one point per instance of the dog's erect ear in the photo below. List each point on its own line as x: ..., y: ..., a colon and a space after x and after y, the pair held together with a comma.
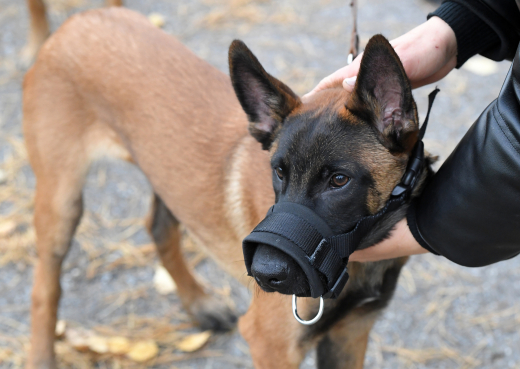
x: 266, y: 100
x: 382, y: 95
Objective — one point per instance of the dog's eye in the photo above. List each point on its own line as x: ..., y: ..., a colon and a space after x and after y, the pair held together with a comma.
x: 279, y: 172
x: 339, y: 180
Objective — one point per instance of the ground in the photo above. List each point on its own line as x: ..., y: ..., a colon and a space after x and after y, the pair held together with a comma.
x: 442, y: 316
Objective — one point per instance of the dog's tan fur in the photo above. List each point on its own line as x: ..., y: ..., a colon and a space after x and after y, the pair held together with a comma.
x: 39, y: 27
x: 131, y: 91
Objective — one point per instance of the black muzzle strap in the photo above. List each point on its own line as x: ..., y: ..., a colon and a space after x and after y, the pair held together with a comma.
x: 297, y: 231
x: 303, y: 235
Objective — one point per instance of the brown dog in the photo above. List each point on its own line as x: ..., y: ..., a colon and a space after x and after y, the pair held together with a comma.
x: 39, y: 28
x: 131, y: 91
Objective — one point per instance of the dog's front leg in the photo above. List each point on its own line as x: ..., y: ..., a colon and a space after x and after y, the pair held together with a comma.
x: 273, y: 335
x: 345, y: 344
x: 209, y: 312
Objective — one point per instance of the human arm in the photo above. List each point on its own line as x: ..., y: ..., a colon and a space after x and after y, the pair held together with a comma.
x: 434, y: 38
x: 400, y: 243
x: 461, y: 219
x: 487, y: 27
x: 470, y: 211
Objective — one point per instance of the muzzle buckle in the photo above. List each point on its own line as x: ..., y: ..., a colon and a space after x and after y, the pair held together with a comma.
x: 338, y: 286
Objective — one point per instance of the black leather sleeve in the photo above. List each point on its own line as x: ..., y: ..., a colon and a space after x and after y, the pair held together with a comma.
x: 470, y: 211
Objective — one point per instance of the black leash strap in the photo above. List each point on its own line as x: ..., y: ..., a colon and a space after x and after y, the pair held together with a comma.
x: 431, y: 99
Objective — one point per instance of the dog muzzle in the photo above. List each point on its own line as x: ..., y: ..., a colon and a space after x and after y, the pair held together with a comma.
x: 304, y: 236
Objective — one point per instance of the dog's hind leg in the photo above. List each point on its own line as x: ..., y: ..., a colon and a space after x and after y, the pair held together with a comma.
x: 60, y: 172
x: 345, y: 344
x: 62, y: 135
x: 209, y: 312
x: 58, y: 208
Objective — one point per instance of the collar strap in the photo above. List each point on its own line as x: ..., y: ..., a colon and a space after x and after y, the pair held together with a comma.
x: 303, y: 235
x: 416, y: 161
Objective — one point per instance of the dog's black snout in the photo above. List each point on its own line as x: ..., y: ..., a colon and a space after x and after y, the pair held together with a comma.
x: 274, y: 270
x: 269, y: 267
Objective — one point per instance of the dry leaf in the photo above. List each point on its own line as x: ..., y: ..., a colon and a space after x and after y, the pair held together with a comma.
x: 61, y: 326
x: 7, y: 228
x: 98, y: 344
x: 118, y: 345
x: 481, y: 66
x: 78, y: 338
x: 163, y: 282
x: 143, y: 351
x: 157, y: 19
x: 193, y: 342
x: 5, y: 354
x: 3, y: 176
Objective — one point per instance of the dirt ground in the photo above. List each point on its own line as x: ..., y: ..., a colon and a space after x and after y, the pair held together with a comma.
x: 442, y: 316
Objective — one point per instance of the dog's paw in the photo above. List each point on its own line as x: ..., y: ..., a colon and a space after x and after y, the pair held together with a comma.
x: 211, y: 313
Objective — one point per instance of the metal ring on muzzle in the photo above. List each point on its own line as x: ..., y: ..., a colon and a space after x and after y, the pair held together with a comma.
x: 306, y: 322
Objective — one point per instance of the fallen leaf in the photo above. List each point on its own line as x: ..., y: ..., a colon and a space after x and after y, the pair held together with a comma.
x: 78, y: 338
x: 143, y: 351
x: 481, y: 66
x: 163, y: 282
x: 118, y: 345
x: 157, y: 19
x: 61, y: 326
x: 193, y: 342
x: 98, y: 344
x: 7, y: 228
x: 5, y: 354
x: 3, y: 176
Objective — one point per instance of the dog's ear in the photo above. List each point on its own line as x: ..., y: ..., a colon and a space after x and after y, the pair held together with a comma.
x: 382, y: 95
x: 266, y: 100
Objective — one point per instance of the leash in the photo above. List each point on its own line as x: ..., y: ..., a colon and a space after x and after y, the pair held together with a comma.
x: 354, y: 37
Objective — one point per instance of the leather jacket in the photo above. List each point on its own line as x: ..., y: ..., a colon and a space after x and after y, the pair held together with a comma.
x: 470, y: 211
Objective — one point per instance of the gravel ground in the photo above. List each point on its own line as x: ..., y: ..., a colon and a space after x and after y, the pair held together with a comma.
x: 442, y: 316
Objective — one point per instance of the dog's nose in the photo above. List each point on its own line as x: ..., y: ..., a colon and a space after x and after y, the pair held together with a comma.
x: 274, y: 270
x: 269, y: 267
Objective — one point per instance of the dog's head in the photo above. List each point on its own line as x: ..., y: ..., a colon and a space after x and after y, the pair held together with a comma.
x: 339, y: 154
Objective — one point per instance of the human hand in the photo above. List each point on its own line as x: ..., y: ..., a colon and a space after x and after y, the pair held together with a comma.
x: 428, y: 53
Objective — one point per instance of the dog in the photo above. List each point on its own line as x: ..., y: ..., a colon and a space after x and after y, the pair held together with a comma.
x: 128, y: 90
x: 39, y: 28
